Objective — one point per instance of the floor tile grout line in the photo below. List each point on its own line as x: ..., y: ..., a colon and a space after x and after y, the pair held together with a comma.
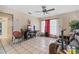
x: 3, y: 47
x: 26, y: 49
x: 14, y: 48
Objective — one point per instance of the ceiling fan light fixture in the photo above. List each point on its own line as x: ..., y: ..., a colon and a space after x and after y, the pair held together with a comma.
x: 43, y: 6
x: 29, y: 13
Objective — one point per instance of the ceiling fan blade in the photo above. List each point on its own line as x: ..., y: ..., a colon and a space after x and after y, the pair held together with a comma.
x: 38, y: 11
x: 51, y: 9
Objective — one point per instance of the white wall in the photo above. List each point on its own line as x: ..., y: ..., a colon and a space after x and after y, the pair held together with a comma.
x: 20, y: 19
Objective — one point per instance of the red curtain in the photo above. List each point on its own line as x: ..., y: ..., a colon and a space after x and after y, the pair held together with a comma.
x: 47, y: 26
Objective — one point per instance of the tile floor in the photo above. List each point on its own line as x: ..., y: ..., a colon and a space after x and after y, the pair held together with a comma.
x: 38, y: 45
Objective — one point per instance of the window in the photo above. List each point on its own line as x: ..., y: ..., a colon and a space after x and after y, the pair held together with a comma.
x: 54, y: 27
x: 43, y: 26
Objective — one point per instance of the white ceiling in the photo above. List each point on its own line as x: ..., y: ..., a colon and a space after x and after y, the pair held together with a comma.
x: 59, y: 9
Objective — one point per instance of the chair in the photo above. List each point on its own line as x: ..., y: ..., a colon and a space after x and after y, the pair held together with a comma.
x: 17, y: 35
x: 56, y: 49
x: 53, y: 48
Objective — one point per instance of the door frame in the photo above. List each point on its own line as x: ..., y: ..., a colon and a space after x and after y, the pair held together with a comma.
x: 12, y: 17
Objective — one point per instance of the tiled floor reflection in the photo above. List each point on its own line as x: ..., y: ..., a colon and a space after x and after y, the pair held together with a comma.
x: 38, y: 45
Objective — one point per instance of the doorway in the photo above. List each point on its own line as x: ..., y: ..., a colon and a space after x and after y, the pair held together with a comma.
x: 6, y: 26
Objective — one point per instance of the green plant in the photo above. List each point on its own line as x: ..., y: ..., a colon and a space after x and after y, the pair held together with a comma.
x: 74, y: 24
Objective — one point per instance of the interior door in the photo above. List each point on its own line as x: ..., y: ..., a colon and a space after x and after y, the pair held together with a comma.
x: 6, y: 27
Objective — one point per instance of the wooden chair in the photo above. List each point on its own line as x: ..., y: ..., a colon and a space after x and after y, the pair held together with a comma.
x: 53, y: 48
x: 17, y: 35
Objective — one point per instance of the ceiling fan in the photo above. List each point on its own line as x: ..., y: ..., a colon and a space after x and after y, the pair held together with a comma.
x: 45, y: 11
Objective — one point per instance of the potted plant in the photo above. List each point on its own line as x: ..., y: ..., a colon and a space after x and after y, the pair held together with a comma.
x: 74, y: 24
